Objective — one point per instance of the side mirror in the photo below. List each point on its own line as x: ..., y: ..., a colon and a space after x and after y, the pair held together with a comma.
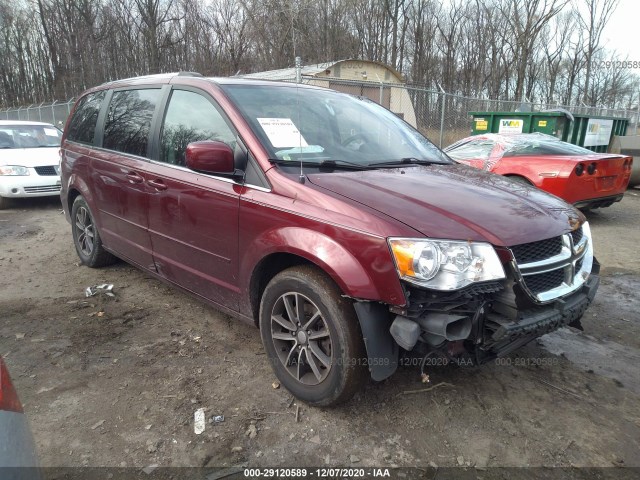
x: 210, y: 156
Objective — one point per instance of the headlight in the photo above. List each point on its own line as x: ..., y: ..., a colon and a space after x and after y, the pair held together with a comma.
x: 445, y: 264
x: 13, y: 170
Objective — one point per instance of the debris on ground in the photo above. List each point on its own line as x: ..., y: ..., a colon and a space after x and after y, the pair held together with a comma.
x: 199, y: 421
x: 150, y: 468
x: 104, y: 289
x: 216, y: 419
x: 251, y: 432
x: 275, y: 385
x: 97, y: 424
x: 410, y: 392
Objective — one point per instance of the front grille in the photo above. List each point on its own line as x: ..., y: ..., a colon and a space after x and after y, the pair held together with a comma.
x: 536, y: 251
x: 48, y: 170
x: 579, y: 264
x: 542, y: 282
x: 43, y: 189
x: 577, y: 236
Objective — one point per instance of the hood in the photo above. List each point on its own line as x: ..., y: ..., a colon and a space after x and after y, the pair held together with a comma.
x: 29, y: 157
x: 457, y: 202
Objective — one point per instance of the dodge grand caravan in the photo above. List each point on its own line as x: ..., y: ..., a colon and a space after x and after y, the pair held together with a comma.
x: 344, y: 234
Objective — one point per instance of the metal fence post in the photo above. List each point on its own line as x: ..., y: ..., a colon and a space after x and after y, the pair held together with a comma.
x: 444, y: 99
x: 638, y: 112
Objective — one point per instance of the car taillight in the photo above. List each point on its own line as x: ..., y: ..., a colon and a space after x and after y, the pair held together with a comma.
x: 591, y: 169
x: 8, y: 397
x: 579, y: 169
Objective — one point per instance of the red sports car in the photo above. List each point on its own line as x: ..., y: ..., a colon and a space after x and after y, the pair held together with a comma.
x: 575, y: 174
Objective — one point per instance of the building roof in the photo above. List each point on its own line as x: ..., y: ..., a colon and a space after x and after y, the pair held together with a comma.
x: 290, y: 73
x: 311, y: 70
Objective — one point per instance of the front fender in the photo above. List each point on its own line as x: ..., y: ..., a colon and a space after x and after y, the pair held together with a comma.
x: 360, y: 264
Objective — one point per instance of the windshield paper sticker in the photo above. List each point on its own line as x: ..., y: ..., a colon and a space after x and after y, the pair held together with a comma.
x: 51, y: 132
x: 282, y: 132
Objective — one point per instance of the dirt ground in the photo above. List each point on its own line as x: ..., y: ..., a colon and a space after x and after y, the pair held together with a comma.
x: 115, y: 382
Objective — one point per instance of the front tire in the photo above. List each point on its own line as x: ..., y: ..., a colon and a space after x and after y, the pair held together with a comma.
x: 86, y: 237
x: 311, y: 336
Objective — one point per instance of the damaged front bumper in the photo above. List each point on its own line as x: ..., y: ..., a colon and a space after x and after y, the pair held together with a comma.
x: 481, y: 323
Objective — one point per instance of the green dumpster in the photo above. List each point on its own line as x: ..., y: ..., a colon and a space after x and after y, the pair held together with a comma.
x: 589, y: 131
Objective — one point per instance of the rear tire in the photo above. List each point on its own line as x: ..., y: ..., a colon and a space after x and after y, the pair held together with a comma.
x: 312, y: 337
x: 86, y: 237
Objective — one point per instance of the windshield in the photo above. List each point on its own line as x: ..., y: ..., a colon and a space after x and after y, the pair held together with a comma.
x: 29, y: 136
x: 313, y: 125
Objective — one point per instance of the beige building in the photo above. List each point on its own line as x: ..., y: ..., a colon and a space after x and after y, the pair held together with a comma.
x: 374, y: 80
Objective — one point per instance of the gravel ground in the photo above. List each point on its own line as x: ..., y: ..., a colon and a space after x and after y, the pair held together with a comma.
x: 115, y: 382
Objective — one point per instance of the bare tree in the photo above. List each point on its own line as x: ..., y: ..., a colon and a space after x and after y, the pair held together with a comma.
x: 598, y: 13
x: 499, y: 49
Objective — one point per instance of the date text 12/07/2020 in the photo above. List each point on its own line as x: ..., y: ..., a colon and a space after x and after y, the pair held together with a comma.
x: 302, y: 472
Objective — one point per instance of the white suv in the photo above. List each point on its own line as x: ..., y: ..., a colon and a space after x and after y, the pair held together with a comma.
x: 29, y: 160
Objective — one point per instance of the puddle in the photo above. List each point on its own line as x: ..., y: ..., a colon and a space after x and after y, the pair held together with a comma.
x: 609, y: 359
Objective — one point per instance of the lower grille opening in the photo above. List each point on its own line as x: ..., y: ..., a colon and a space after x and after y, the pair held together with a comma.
x: 43, y: 189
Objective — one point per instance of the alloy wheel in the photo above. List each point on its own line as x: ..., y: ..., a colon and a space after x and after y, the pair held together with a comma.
x: 301, y: 338
x: 85, y: 231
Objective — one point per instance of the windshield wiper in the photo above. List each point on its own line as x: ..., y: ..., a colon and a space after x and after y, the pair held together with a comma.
x: 404, y: 161
x: 327, y: 164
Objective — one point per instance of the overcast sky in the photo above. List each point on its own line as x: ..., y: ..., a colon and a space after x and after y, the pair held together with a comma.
x: 621, y: 33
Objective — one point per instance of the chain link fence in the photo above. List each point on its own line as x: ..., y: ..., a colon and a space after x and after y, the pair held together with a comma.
x: 443, y: 117
x: 55, y: 113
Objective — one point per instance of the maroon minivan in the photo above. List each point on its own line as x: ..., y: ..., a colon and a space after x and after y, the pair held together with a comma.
x: 341, y: 231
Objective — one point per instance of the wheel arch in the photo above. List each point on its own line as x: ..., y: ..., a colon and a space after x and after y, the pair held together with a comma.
x: 75, y: 188
x: 292, y: 246
x: 264, y: 271
x: 519, y: 176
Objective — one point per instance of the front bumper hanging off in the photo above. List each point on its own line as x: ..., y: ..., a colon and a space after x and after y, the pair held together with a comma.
x: 496, y: 329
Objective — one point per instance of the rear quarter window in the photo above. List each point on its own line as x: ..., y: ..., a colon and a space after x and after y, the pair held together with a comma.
x: 82, y: 126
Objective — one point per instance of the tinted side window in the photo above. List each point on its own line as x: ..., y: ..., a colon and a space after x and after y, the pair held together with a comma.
x: 129, y: 120
x: 83, y: 124
x: 190, y: 118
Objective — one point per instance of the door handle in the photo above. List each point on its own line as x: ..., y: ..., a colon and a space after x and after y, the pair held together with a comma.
x: 157, y: 184
x: 133, y: 177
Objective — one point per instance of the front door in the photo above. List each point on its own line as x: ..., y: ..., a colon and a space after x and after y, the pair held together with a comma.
x: 193, y: 217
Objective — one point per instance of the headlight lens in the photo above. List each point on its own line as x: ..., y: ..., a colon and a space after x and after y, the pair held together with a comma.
x: 13, y: 170
x: 445, y: 264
